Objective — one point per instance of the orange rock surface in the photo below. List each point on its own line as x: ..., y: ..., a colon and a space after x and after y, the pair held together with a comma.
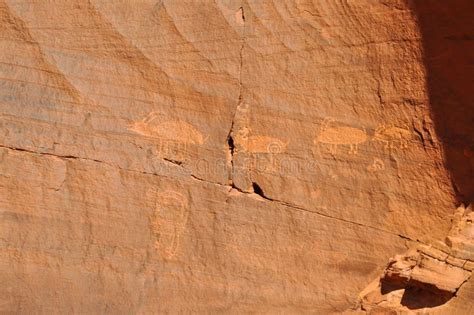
x: 254, y: 156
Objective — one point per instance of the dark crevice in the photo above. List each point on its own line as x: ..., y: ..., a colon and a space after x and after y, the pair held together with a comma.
x: 69, y: 157
x: 231, y: 148
x: 230, y: 140
x: 230, y: 143
x: 255, y: 185
x: 176, y: 162
x: 258, y: 190
x: 416, y: 297
x: 241, y: 9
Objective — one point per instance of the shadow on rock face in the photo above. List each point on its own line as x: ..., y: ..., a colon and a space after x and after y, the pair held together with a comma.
x: 447, y: 29
x: 416, y: 298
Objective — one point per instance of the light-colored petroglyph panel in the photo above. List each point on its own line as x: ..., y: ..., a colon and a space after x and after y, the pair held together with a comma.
x: 173, y: 137
x: 151, y: 126
x: 333, y: 135
x: 393, y: 137
x: 168, y: 222
x: 265, y: 144
x: 265, y: 151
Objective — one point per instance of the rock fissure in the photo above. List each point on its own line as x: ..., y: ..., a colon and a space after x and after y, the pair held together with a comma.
x: 175, y: 162
x: 230, y: 138
x: 68, y: 157
x: 255, y: 186
x: 285, y: 149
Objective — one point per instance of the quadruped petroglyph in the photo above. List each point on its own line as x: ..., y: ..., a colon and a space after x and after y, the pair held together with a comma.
x: 334, y: 135
x: 261, y: 146
x: 265, y: 144
x: 168, y: 221
x: 393, y: 137
x: 174, y: 137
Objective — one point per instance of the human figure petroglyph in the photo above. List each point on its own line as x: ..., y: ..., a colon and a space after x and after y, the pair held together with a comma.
x: 335, y: 136
x: 241, y: 129
x: 174, y: 136
x: 169, y: 221
x: 391, y: 136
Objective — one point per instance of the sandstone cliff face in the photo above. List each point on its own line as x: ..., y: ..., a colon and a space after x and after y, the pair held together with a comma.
x: 225, y: 156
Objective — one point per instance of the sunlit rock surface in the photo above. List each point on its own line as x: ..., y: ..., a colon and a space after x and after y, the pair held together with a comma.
x: 230, y: 156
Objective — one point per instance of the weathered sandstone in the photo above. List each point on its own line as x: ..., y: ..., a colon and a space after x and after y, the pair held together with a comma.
x: 168, y: 156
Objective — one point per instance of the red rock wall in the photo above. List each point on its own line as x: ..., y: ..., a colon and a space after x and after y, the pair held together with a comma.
x: 222, y: 156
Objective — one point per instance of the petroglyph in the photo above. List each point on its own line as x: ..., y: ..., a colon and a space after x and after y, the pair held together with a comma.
x: 262, y: 149
x: 241, y: 129
x: 334, y: 136
x: 181, y: 131
x: 265, y: 144
x: 377, y: 165
x: 169, y: 221
x: 174, y: 136
x: 258, y: 145
x: 392, y: 136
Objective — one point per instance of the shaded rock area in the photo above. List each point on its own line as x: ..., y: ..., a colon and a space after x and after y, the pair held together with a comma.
x: 235, y: 156
x: 447, y: 33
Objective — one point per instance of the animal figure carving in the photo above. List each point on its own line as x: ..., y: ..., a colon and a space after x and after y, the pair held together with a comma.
x: 174, y: 136
x: 392, y: 136
x: 335, y: 136
x: 265, y: 145
x: 180, y: 131
x: 169, y: 222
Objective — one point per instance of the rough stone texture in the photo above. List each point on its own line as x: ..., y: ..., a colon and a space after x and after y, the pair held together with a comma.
x: 427, y: 277
x: 227, y: 156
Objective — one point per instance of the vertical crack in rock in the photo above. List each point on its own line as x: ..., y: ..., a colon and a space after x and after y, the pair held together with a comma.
x: 231, y: 149
x: 230, y: 137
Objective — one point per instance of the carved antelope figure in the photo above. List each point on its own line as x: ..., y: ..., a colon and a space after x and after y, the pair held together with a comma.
x: 391, y: 136
x: 266, y: 145
x: 174, y: 136
x: 340, y: 135
x: 170, y: 130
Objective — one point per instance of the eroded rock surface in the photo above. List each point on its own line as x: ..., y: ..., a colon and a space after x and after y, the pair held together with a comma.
x: 427, y: 277
x: 217, y: 156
